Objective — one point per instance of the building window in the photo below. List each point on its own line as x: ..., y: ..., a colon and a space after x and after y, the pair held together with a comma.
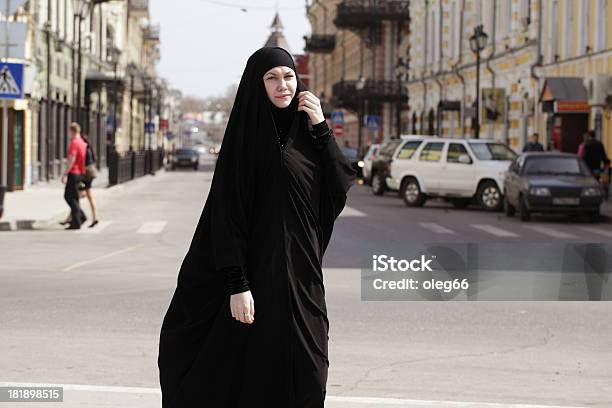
x: 585, y: 17
x: 569, y: 29
x: 602, y: 21
x: 554, y: 31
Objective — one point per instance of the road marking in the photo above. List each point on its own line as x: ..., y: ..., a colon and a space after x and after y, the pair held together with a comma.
x: 152, y: 227
x: 95, y: 230
x: 550, y: 232
x: 605, y: 233
x: 351, y: 212
x: 79, y: 264
x: 335, y: 400
x: 498, y: 232
x: 437, y: 228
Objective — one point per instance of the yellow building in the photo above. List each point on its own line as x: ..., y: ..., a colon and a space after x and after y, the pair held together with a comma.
x: 546, y: 68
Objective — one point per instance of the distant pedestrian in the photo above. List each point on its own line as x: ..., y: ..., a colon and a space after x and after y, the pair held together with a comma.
x: 533, y: 145
x: 75, y: 171
x: 594, y: 154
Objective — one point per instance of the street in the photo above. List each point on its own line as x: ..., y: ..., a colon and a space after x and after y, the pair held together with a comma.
x: 84, y: 308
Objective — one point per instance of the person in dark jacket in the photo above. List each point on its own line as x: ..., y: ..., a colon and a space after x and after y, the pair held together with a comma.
x: 594, y: 154
x: 247, y: 325
x: 533, y: 145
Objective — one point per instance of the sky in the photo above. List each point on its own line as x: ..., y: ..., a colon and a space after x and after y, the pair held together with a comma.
x: 205, y: 43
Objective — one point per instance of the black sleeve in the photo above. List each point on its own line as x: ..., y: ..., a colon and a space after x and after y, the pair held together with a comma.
x: 236, y: 280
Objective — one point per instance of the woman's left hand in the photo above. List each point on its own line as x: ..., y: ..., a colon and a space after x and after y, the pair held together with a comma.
x: 310, y: 104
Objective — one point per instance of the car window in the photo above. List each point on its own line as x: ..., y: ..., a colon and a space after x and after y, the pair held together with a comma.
x: 408, y: 149
x: 553, y: 165
x: 388, y: 148
x: 492, y: 151
x: 454, y: 151
x: 371, y: 152
x: 432, y: 151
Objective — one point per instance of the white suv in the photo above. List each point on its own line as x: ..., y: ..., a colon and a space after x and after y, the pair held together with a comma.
x: 457, y: 170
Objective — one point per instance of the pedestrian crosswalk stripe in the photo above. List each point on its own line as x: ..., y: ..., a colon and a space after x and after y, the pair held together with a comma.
x: 152, y: 227
x: 550, y: 232
x: 436, y: 228
x: 101, y: 226
x: 498, y: 232
x: 605, y: 233
x: 351, y: 212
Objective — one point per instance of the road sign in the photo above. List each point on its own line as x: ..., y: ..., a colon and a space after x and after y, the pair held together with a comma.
x: 338, y: 129
x: 16, y: 41
x: 372, y: 122
x: 12, y: 5
x: 11, y: 81
x: 337, y: 117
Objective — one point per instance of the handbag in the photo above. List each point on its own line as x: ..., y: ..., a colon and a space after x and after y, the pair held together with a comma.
x: 90, y: 169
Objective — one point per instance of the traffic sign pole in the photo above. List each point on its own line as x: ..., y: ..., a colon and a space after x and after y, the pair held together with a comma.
x: 5, y: 107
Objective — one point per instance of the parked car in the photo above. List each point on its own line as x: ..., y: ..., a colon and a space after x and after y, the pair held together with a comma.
x: 369, y: 157
x: 551, y: 182
x: 352, y: 155
x: 185, y: 157
x: 381, y: 163
x: 457, y: 170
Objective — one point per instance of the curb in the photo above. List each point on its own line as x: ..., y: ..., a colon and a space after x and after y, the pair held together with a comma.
x: 30, y: 224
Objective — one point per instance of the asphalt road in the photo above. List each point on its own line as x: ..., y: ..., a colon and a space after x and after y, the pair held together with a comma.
x: 83, y: 309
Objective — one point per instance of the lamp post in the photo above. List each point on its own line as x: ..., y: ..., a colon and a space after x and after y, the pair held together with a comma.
x: 478, y: 42
x: 401, y: 69
x: 359, y: 85
x: 81, y: 9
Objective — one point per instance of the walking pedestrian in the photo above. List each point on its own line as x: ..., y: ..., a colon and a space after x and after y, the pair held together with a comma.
x: 594, y: 154
x: 85, y: 184
x: 247, y: 325
x: 533, y: 145
x: 75, y: 170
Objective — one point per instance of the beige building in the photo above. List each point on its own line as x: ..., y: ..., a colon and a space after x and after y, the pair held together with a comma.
x: 350, y: 42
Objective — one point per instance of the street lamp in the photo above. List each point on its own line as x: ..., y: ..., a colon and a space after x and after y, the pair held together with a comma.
x: 359, y: 85
x: 478, y: 42
x: 80, y: 8
x: 401, y: 70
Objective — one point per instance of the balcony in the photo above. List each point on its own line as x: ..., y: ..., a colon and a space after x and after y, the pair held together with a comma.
x: 356, y: 14
x: 374, y: 92
x: 320, y: 43
x: 139, y: 8
x: 151, y: 33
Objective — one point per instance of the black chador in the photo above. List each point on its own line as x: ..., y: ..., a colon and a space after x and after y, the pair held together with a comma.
x: 280, y: 183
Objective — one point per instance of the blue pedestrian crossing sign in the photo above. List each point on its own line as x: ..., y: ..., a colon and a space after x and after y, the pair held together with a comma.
x: 372, y: 122
x: 337, y: 117
x: 11, y: 81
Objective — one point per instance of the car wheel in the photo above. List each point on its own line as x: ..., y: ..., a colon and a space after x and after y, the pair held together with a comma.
x: 411, y: 193
x: 460, y: 202
x: 525, y: 215
x: 489, y: 196
x: 509, y: 209
x: 378, y: 184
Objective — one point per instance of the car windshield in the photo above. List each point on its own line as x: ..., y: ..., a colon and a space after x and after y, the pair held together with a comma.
x: 553, y: 165
x: 492, y: 151
x: 185, y: 151
x: 388, y: 148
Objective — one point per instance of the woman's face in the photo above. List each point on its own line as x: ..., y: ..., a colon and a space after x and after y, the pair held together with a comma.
x: 280, y: 83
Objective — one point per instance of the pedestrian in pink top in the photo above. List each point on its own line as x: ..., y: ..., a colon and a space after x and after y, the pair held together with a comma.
x: 74, y: 173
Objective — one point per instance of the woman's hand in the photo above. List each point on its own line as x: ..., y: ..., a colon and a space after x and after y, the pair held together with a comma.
x: 243, y: 307
x: 311, y: 105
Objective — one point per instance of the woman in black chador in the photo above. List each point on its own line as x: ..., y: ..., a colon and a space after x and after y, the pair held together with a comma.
x: 247, y: 325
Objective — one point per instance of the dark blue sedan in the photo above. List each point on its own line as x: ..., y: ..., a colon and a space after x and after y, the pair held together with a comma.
x: 550, y: 182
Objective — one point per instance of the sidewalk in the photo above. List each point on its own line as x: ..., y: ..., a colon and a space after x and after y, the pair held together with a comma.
x: 42, y: 205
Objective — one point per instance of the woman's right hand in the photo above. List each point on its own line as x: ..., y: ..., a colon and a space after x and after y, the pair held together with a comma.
x: 242, y: 306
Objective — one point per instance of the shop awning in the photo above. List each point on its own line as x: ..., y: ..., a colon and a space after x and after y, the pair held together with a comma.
x: 564, y: 95
x: 446, y: 105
